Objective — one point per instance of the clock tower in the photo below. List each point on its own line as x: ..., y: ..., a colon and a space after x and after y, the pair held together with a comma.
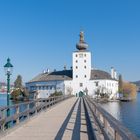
x: 81, y: 66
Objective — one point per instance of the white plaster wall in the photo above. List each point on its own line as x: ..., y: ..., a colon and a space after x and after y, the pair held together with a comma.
x: 68, y: 87
x: 109, y: 86
x: 45, y: 93
x: 81, y: 70
x: 81, y: 65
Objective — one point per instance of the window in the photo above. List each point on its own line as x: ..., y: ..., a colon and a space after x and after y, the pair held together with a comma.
x: 81, y: 84
x: 85, y: 61
x: 85, y: 76
x: 85, y: 67
x: 76, y: 76
x: 76, y: 55
x: 51, y: 87
x: 85, y: 55
x: 76, y: 61
x: 76, y: 67
x: 96, y: 84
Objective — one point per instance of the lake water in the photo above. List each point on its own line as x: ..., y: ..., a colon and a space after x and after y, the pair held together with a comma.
x: 3, y: 100
x: 126, y: 112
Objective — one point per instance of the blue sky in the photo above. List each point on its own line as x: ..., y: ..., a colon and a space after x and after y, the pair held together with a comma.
x: 41, y: 34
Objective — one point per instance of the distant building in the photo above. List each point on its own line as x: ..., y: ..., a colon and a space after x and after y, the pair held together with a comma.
x: 80, y: 78
x: 3, y: 87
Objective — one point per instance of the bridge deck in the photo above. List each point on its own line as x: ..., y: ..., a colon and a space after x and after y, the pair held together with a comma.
x: 64, y: 121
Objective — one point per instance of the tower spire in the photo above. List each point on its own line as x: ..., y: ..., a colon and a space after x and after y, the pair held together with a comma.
x: 81, y: 36
x: 82, y: 45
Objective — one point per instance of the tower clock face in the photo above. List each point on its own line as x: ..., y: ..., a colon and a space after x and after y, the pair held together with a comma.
x: 81, y: 55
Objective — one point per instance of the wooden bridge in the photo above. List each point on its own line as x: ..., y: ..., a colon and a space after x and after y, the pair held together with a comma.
x: 63, y: 117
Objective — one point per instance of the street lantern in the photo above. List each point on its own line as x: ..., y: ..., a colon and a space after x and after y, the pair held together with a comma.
x: 8, y: 67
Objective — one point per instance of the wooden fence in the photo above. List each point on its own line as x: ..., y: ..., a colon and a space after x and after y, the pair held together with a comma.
x: 107, y: 126
x: 23, y: 111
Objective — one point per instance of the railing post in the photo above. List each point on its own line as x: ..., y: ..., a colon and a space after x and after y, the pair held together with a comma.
x: 53, y: 100
x: 105, y: 124
x: 48, y: 102
x: 2, y: 117
x: 36, y: 105
x: 28, y: 110
x: 117, y: 136
x: 17, y: 114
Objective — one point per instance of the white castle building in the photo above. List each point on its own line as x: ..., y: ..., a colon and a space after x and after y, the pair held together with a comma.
x: 81, y: 78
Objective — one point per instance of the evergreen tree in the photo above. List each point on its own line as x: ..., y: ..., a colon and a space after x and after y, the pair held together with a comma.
x: 120, y: 84
x: 18, y: 82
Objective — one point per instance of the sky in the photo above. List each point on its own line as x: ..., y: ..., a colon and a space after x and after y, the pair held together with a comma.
x: 42, y: 34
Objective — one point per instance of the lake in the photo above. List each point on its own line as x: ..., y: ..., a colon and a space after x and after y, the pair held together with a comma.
x: 126, y: 112
x: 3, y: 100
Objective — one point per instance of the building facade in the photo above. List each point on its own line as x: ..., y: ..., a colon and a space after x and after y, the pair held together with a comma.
x: 81, y: 78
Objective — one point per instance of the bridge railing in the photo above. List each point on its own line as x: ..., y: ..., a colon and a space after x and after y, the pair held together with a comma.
x: 23, y: 111
x: 110, y: 127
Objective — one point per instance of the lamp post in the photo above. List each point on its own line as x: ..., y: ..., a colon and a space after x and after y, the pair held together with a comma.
x: 8, y: 67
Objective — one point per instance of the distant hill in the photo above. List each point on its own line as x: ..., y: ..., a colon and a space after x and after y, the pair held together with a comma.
x: 137, y: 83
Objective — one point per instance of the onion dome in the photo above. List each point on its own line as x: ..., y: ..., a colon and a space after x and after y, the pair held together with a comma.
x: 81, y: 45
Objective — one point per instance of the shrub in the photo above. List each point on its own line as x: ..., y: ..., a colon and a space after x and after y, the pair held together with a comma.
x: 129, y: 90
x: 56, y: 94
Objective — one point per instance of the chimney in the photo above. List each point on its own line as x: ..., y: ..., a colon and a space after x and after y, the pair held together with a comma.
x: 65, y: 68
x: 44, y: 71
x: 48, y: 70
x: 115, y: 74
x: 112, y: 73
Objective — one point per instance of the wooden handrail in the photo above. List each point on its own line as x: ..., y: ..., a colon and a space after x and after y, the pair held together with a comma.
x: 31, y: 108
x: 111, y: 127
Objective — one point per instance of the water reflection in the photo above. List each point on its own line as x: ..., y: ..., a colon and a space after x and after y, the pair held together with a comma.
x: 113, y: 108
x: 126, y: 112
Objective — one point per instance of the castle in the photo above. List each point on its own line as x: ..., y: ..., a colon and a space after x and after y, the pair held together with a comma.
x: 81, y: 78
